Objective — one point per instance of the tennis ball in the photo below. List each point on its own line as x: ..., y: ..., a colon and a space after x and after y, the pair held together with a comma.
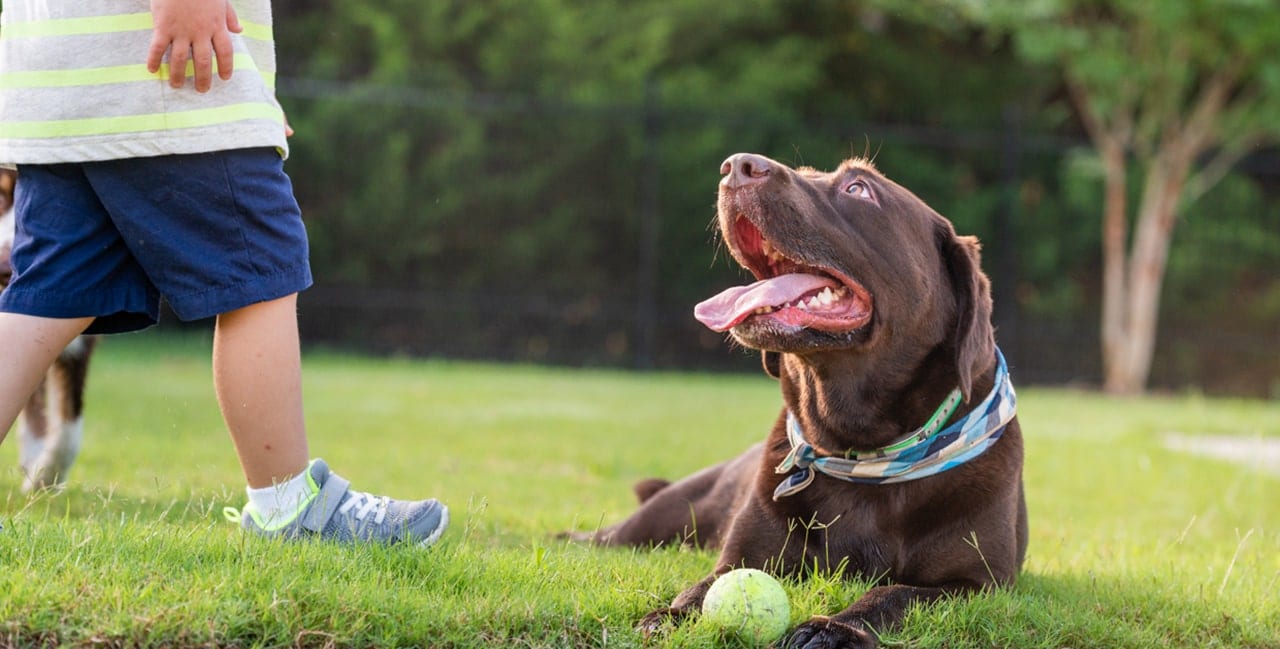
x: 748, y: 603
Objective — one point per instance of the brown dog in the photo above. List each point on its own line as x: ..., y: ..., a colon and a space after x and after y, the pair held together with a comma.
x: 898, y: 454
x: 51, y: 426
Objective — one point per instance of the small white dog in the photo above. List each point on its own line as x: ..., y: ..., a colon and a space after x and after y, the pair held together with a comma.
x: 51, y: 426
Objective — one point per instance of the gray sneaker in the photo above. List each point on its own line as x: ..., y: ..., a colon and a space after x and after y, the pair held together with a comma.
x: 335, y: 512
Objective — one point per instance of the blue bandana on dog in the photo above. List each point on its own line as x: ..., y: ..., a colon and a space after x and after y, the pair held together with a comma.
x: 923, y: 453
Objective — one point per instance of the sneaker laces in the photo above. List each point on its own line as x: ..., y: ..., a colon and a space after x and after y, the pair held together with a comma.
x: 366, y: 503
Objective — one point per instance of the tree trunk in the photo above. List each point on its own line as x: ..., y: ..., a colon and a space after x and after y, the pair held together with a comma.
x: 1166, y: 136
x: 1115, y: 234
x: 1129, y: 358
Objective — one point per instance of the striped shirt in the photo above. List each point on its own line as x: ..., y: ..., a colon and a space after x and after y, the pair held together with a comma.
x: 74, y: 86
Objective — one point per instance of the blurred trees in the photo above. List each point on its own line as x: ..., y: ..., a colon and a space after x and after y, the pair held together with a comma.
x: 552, y: 164
x: 1172, y: 95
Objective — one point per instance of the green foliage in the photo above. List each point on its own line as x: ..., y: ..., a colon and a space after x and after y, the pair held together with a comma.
x: 1183, y: 90
x: 519, y: 151
x: 522, y: 133
x: 511, y: 132
x: 1133, y: 545
x: 1146, y: 61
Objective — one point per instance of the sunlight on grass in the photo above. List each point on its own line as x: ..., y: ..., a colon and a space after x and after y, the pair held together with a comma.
x: 1132, y: 545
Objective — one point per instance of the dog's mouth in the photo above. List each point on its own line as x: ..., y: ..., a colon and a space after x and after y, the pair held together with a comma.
x: 789, y: 293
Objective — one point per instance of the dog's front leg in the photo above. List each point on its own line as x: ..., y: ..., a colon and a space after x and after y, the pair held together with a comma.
x: 684, y: 605
x: 33, y: 427
x: 52, y: 425
x: 755, y: 540
x: 880, y: 609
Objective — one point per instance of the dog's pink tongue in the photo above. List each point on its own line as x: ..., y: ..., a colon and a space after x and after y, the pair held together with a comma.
x: 732, y: 306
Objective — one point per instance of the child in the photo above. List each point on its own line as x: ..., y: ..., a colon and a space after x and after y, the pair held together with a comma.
x: 141, y: 176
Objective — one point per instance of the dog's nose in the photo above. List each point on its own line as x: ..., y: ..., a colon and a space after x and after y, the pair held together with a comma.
x: 742, y: 169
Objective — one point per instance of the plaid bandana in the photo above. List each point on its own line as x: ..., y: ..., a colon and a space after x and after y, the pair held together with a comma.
x: 921, y: 454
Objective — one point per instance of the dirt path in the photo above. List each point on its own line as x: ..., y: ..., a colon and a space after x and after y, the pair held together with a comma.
x: 1254, y: 452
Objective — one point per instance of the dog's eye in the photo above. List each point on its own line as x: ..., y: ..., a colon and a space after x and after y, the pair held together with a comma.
x: 859, y: 189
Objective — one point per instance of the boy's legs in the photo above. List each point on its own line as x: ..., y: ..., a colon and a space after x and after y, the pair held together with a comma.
x: 257, y: 376
x: 256, y: 372
x: 231, y: 236
x: 31, y: 344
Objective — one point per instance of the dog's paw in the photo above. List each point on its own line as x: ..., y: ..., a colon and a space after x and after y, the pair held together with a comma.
x: 574, y: 537
x: 43, y: 475
x: 659, y: 621
x: 825, y: 633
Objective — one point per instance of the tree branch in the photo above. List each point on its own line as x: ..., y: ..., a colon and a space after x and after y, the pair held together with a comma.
x: 1103, y: 134
x: 1217, y: 168
x: 1207, y: 107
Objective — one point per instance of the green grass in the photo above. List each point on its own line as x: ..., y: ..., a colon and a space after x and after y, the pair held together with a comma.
x: 1131, y: 545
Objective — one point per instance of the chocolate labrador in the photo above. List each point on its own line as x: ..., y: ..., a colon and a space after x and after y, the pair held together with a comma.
x: 898, y: 454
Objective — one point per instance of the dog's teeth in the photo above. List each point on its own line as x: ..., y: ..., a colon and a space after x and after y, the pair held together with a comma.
x: 815, y: 301
x: 826, y: 297
x: 771, y: 253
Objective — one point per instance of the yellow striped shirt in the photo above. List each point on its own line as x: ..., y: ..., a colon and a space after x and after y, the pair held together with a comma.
x: 74, y: 86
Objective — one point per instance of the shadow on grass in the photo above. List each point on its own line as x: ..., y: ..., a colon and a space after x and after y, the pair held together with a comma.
x: 1086, y: 610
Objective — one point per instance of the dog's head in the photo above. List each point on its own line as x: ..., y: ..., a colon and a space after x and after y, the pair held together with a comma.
x: 7, y: 181
x: 847, y: 262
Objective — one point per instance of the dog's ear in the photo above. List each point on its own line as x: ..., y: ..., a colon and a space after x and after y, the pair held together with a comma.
x: 975, y: 340
x: 771, y: 362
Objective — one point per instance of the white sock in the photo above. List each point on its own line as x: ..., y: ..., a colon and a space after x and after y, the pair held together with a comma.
x: 281, y: 501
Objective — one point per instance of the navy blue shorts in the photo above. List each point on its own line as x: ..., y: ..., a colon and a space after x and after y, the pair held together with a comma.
x: 210, y: 233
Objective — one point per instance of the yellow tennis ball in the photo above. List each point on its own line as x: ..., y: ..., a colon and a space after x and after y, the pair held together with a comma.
x: 748, y: 603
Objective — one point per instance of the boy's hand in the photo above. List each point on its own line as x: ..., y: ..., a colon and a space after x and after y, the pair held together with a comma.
x: 198, y: 30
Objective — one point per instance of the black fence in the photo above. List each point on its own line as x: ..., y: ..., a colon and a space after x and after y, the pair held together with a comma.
x: 636, y: 312
x: 547, y: 329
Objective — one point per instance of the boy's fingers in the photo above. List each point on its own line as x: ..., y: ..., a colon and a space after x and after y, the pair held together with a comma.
x: 193, y: 32
x: 202, y: 58
x: 225, y: 51
x: 178, y: 56
x: 156, y: 54
x: 223, y: 46
x: 233, y: 21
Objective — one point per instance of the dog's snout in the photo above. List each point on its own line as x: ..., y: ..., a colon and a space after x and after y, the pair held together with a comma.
x: 742, y: 169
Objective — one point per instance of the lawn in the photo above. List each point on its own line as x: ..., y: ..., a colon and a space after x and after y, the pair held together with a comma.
x: 1132, y: 545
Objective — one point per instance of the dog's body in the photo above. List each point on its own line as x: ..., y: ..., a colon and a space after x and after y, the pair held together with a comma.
x: 51, y: 426
x: 854, y: 377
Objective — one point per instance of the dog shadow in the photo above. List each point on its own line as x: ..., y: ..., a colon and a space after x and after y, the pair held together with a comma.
x: 1071, y: 610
